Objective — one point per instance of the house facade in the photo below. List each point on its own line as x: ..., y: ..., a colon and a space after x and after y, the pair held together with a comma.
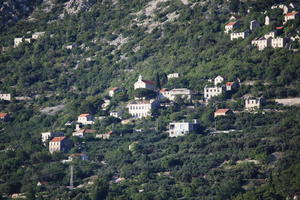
x: 210, y: 92
x: 6, y: 97
x: 238, y: 35
x: 37, y: 35
x: 112, y: 91
x: 222, y: 112
x: 4, y: 116
x: 49, y: 135
x: 231, y: 26
x: 218, y: 80
x: 143, y: 108
x: 177, y: 92
x: 291, y: 16
x: 271, y: 34
x: 18, y: 41
x: 83, y: 132
x: 231, y: 86
x: 261, y: 43
x: 104, y: 135
x: 146, y: 84
x: 85, y: 119
x: 252, y: 103
x: 177, y: 129
x: 59, y: 144
x: 116, y: 114
x: 279, y: 42
x: 254, y: 24
x: 174, y: 75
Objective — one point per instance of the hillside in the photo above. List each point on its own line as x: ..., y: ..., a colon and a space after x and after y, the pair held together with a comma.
x: 87, y: 47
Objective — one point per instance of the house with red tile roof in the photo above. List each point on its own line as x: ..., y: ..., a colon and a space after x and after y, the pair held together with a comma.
x: 4, y: 116
x: 231, y: 85
x: 291, y: 16
x: 147, y: 84
x: 112, y: 91
x: 231, y: 26
x: 223, y: 112
x: 85, y: 119
x: 60, y: 144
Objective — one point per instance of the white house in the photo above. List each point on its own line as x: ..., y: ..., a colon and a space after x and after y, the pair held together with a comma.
x: 291, y: 16
x: 59, y: 144
x: 279, y: 42
x: 37, y: 35
x: 49, y: 135
x: 210, y: 92
x: 105, y: 104
x: 254, y: 24
x: 238, y: 35
x: 140, y: 109
x: 116, y: 114
x: 252, y: 103
x: 283, y: 7
x: 83, y: 132
x: 174, y: 75
x: 112, y: 91
x: 267, y: 20
x: 177, y: 92
x: 231, y: 86
x: 261, y: 43
x: 218, y: 80
x: 182, y: 128
x: 271, y: 34
x: 147, y: 84
x: 85, y: 119
x: 231, y: 26
x: 18, y: 41
x: 6, y: 97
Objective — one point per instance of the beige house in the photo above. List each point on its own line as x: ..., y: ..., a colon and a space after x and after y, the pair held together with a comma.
x: 279, y: 42
x: 37, y: 35
x: 18, y: 41
x: 177, y: 92
x: 143, y: 108
x: 291, y: 16
x: 222, y: 112
x: 146, y: 84
x: 261, y: 43
x: 59, y: 144
x: 177, y: 129
x: 238, y: 35
x: 174, y: 75
x: 231, y: 26
x: 85, y: 119
x: 210, y: 92
x: 49, y: 135
x: 6, y: 97
x: 252, y: 103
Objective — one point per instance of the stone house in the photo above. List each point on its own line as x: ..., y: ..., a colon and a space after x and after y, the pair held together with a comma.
x: 59, y: 144
x: 49, y: 135
x: 252, y: 103
x: 142, y: 108
x: 85, y: 119
x: 231, y: 26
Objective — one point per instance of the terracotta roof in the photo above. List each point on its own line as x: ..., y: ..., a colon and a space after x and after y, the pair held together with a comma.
x: 3, y: 115
x: 292, y: 13
x: 84, y: 115
x: 149, y: 82
x: 90, y: 131
x: 231, y: 24
x: 229, y: 83
x: 222, y: 110
x: 114, y: 89
x: 58, y: 139
x: 279, y: 28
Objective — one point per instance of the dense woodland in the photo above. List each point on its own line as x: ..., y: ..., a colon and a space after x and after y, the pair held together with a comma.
x: 259, y: 160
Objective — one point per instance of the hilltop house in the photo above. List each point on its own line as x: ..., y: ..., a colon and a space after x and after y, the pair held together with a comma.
x: 252, y: 103
x: 231, y: 26
x: 147, y: 84
x: 6, y: 97
x: 223, y: 112
x: 213, y: 91
x: 82, y: 132
x: 59, y: 144
x: 261, y: 43
x: 182, y: 128
x: 4, y: 116
x: 112, y: 91
x: 218, y: 80
x: 143, y: 108
x: 49, y: 135
x: 238, y: 35
x: 254, y: 24
x: 85, y: 119
x: 18, y: 41
x: 177, y: 92
x: 104, y: 135
x: 174, y: 75
x: 37, y: 35
x: 291, y: 16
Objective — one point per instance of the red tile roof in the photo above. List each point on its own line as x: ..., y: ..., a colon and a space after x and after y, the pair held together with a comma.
x: 90, y: 131
x: 109, y: 133
x: 279, y: 27
x: 114, y: 89
x: 231, y: 24
x: 2, y: 115
x: 84, y: 115
x: 58, y: 139
x: 222, y: 110
x: 229, y: 83
x: 292, y: 13
x: 149, y: 82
